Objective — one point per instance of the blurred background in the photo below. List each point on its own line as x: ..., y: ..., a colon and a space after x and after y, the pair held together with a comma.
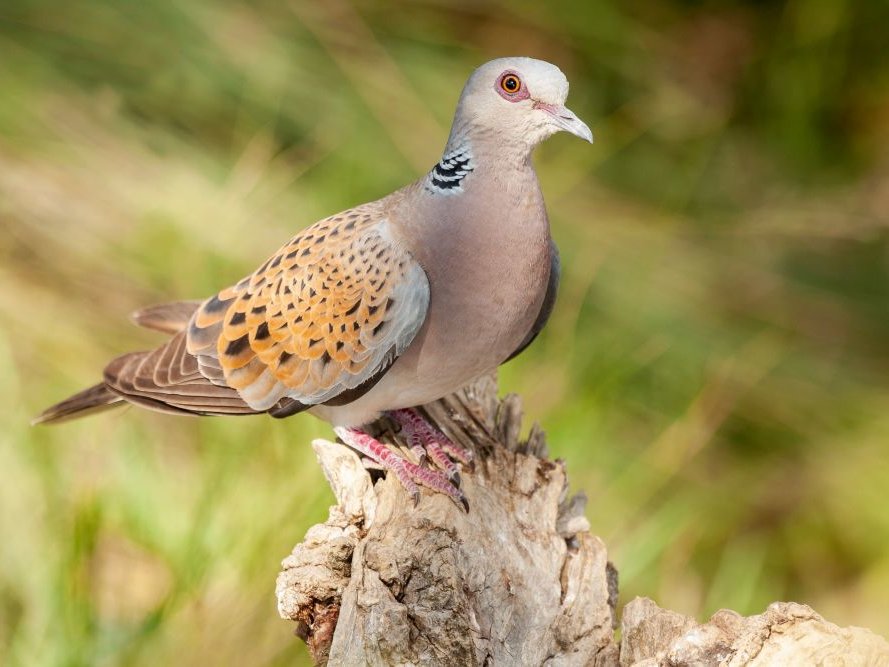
x: 716, y: 373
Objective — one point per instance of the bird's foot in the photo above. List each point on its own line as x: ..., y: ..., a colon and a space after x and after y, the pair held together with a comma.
x: 408, y: 473
x: 426, y: 441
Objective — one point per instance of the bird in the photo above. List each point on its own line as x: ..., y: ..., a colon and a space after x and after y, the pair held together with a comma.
x: 383, y: 307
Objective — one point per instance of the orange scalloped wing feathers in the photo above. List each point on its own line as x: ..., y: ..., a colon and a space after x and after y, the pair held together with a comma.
x: 330, y: 309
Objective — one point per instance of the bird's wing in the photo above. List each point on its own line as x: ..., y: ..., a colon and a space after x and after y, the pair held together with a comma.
x: 324, y: 316
x: 166, y: 317
x: 549, y: 302
x: 169, y: 379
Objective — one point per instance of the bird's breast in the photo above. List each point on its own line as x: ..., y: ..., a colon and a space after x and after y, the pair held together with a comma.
x: 488, y: 267
x: 488, y: 262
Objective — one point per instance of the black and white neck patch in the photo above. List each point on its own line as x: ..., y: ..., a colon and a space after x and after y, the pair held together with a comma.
x: 447, y: 176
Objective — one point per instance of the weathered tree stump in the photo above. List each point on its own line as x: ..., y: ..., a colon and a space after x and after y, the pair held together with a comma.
x: 786, y: 634
x: 518, y: 580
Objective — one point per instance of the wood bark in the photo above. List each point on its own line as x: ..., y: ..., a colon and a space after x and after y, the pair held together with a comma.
x: 518, y: 580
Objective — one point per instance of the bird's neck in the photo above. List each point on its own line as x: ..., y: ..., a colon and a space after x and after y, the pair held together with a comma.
x: 487, y: 142
x: 466, y: 156
x: 471, y: 198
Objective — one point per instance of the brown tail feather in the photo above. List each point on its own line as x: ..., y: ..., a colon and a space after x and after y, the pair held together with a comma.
x: 95, y: 399
x: 169, y: 379
x: 166, y: 379
x: 169, y: 318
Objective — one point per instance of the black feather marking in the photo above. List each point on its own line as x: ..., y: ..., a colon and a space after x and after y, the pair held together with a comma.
x: 287, y: 407
x: 215, y: 305
x: 237, y: 346
x: 451, y: 171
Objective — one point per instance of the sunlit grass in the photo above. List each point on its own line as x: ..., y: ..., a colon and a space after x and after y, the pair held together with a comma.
x: 714, y: 373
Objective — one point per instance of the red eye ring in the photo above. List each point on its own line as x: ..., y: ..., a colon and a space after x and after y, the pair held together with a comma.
x: 511, y: 84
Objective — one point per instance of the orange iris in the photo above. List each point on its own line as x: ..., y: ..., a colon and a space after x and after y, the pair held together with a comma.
x: 511, y: 83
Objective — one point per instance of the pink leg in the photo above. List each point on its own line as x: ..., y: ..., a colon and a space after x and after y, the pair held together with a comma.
x: 425, y: 439
x: 425, y: 448
x: 409, y: 474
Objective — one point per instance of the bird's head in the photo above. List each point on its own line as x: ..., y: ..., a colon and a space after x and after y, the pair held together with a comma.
x: 517, y: 101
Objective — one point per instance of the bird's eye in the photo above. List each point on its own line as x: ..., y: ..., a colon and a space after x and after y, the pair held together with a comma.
x: 511, y: 83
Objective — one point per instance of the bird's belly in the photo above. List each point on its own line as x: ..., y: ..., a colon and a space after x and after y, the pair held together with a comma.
x: 478, y: 316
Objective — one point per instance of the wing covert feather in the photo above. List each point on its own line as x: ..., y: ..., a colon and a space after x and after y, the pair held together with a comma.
x: 325, y: 314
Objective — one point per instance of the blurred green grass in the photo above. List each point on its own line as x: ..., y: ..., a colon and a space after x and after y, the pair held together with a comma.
x: 715, y: 373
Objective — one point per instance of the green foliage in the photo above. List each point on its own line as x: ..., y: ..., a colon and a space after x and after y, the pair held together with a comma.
x: 715, y: 372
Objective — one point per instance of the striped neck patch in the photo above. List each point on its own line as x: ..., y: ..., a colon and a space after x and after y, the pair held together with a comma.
x: 447, y: 176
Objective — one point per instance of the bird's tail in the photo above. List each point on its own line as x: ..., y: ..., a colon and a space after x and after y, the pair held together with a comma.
x: 168, y: 318
x: 96, y: 398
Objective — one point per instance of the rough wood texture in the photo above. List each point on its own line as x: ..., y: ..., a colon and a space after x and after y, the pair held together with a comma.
x: 519, y: 580
x: 786, y: 634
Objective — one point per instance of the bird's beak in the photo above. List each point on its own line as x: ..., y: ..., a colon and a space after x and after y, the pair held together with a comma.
x: 567, y: 120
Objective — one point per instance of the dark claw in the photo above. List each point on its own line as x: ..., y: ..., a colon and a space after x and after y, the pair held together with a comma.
x: 464, y: 502
x: 415, y: 498
x: 455, y: 478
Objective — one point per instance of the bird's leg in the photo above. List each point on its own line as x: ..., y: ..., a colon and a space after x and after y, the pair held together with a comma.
x: 426, y: 440
x: 409, y: 474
